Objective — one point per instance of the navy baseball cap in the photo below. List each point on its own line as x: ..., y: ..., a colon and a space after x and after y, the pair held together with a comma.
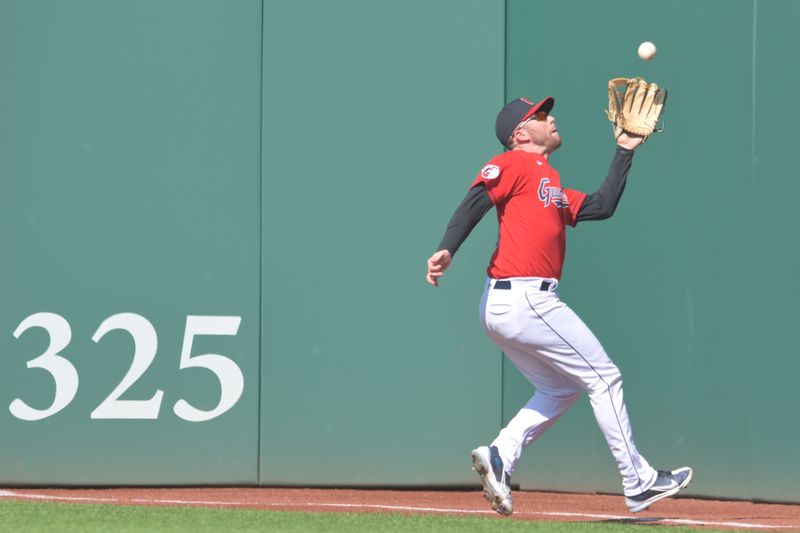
x: 517, y: 111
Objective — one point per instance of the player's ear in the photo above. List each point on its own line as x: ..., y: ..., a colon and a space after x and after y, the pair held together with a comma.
x: 520, y: 136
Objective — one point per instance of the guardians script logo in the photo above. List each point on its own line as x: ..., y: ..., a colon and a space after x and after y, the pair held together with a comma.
x: 554, y: 195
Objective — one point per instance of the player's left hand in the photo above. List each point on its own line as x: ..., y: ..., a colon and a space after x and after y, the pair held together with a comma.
x: 629, y: 141
x: 437, y: 264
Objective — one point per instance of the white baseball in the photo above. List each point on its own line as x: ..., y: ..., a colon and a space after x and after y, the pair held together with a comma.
x: 647, y: 50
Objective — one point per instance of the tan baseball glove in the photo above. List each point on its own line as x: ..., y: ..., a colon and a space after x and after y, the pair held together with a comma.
x: 634, y: 106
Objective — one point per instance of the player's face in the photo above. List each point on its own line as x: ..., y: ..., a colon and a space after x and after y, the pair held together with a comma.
x: 544, y: 132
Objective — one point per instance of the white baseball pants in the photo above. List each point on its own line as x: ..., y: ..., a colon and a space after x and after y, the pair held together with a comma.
x: 561, y: 357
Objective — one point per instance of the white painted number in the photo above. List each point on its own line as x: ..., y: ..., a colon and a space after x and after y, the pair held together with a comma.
x: 230, y: 377
x: 64, y: 374
x: 145, y: 344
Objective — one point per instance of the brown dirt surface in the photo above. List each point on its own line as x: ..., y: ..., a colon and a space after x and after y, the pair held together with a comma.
x: 733, y: 515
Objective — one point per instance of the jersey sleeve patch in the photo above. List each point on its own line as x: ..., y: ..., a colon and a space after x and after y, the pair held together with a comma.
x: 490, y: 172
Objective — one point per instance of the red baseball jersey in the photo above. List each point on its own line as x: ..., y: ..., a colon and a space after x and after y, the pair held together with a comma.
x: 532, y: 210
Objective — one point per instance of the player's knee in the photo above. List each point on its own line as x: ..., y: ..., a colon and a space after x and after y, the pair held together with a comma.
x: 601, y: 384
x: 568, y: 396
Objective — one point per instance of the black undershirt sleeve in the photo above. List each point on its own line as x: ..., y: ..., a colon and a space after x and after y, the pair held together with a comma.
x: 467, y: 215
x: 602, y: 203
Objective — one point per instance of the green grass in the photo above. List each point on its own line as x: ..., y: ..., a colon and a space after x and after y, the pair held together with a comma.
x: 25, y: 516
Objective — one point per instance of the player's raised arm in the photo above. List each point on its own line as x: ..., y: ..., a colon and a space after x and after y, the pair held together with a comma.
x: 602, y: 203
x: 470, y: 211
x: 629, y: 141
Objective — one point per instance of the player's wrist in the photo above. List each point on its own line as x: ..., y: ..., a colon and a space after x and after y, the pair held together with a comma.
x: 629, y: 142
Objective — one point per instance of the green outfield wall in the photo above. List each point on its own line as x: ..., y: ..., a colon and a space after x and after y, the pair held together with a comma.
x: 130, y: 160
x: 692, y: 286
x: 216, y: 216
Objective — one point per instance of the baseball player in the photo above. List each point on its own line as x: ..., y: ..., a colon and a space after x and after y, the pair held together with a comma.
x: 522, y: 313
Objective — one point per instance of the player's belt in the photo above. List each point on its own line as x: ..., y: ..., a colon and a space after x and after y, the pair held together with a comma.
x: 505, y: 284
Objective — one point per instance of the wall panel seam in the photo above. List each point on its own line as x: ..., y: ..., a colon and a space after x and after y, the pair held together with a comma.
x: 260, y: 245
x: 504, y: 98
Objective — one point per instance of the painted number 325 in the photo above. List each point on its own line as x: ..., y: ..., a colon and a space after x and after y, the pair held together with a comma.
x: 145, y: 343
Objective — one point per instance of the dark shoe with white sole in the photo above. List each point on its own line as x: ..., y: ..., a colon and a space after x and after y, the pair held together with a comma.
x: 667, y: 484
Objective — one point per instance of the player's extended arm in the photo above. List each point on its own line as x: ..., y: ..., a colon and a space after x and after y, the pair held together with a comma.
x: 467, y: 215
x: 602, y: 203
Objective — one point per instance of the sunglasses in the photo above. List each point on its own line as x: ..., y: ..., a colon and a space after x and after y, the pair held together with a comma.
x: 538, y: 116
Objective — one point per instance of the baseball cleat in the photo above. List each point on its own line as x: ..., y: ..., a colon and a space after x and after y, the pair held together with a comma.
x: 496, y: 481
x: 667, y: 484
